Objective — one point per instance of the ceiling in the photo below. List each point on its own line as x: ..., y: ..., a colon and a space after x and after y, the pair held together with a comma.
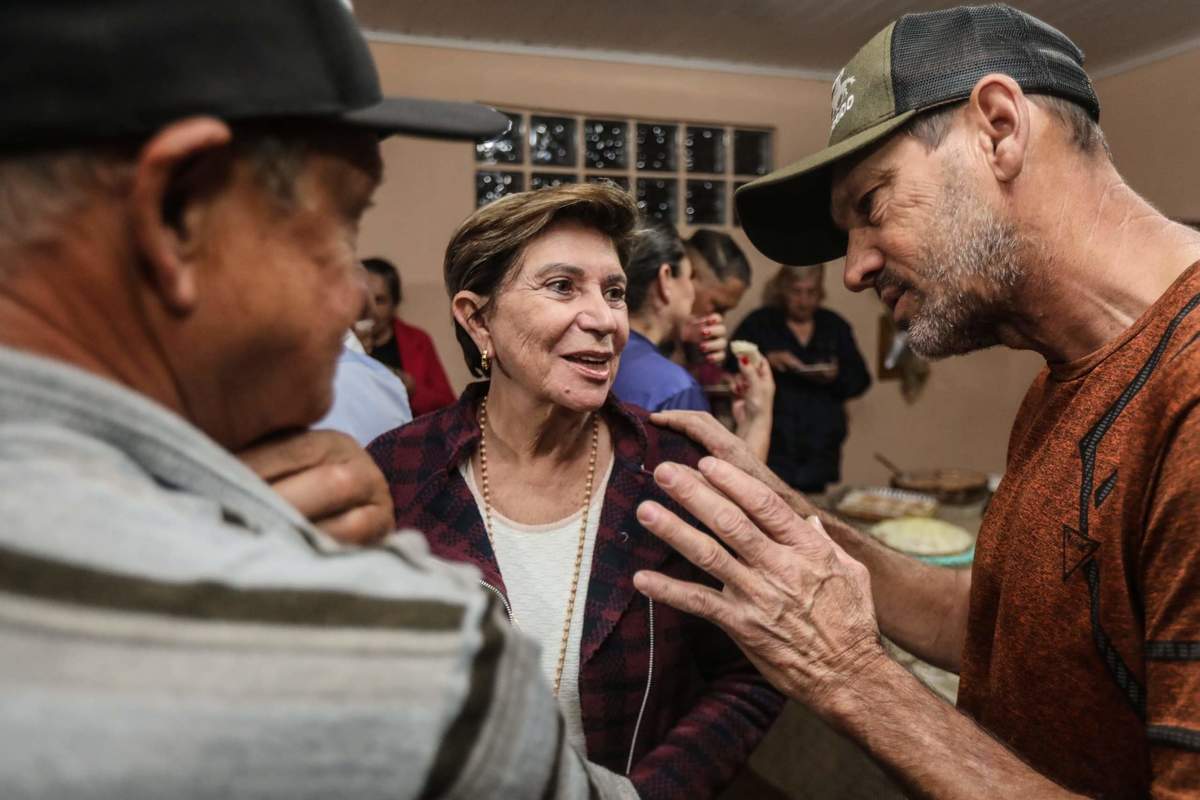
x: 813, y: 37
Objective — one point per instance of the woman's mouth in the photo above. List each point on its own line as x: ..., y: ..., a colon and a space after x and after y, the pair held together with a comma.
x: 596, y: 366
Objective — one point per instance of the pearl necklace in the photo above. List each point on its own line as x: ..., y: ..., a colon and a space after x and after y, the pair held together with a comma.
x: 583, y: 524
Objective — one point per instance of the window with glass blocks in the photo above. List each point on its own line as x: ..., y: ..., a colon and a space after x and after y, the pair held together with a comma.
x: 682, y: 172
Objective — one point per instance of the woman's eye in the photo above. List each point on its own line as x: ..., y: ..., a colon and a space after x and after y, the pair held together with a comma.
x: 616, y: 294
x: 559, y: 285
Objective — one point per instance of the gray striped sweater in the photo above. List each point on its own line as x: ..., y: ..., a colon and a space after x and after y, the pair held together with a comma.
x: 169, y: 627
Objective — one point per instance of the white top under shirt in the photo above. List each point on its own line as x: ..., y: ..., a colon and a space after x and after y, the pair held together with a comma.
x: 537, y: 562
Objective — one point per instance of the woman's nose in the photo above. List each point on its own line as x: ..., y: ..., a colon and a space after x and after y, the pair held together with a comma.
x: 598, y: 315
x: 863, y: 261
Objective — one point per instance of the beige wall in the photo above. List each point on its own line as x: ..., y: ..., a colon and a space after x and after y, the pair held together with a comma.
x: 1151, y: 116
x: 964, y: 415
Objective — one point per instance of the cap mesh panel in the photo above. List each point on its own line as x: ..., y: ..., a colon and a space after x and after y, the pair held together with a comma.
x: 940, y: 56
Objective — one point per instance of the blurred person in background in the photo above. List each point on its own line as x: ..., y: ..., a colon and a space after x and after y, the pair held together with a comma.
x: 405, y: 349
x: 721, y: 275
x: 817, y: 367
x: 368, y: 398
x: 533, y: 477
x: 660, y: 297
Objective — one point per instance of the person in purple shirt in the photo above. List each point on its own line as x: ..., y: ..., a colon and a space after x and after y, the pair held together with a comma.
x: 659, y: 295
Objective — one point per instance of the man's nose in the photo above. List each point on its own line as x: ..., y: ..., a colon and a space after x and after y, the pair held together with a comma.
x: 863, y: 261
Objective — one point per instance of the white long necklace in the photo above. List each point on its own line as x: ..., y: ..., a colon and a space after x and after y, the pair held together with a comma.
x: 583, y: 523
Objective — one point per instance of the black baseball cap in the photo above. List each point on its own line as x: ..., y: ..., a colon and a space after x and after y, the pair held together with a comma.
x: 919, y: 62
x: 75, y: 71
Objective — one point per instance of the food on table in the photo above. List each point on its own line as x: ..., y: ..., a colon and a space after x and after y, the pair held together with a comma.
x: 877, y: 503
x: 922, y: 536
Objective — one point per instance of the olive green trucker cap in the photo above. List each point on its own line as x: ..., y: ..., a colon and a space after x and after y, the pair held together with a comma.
x: 918, y: 62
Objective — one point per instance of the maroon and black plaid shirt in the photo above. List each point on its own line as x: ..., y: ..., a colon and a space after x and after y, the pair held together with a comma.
x: 707, y: 707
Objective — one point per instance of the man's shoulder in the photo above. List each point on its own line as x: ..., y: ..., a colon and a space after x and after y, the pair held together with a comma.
x: 40, y: 461
x: 1169, y: 366
x: 228, y: 634
x: 72, y: 498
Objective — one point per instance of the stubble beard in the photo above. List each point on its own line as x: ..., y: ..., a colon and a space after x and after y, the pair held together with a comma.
x: 972, y: 262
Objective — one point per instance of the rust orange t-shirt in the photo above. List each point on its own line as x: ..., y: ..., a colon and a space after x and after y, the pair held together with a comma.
x: 1083, y: 642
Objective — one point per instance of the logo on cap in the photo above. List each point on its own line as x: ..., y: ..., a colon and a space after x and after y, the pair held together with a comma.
x: 843, y: 101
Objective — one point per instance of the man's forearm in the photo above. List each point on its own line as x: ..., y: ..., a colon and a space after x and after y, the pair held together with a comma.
x: 930, y: 747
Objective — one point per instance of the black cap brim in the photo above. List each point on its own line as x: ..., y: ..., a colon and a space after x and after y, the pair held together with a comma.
x: 435, y: 119
x: 786, y: 214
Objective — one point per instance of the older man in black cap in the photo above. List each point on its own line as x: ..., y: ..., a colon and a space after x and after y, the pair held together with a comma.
x: 180, y: 188
x: 967, y: 182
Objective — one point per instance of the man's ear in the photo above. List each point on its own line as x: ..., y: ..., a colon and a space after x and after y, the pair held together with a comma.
x: 466, y: 307
x: 166, y: 200
x: 1000, y: 113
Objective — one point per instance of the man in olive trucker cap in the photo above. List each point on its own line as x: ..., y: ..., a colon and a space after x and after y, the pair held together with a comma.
x: 180, y: 188
x: 968, y: 183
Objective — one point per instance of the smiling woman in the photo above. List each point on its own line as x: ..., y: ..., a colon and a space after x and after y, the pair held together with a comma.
x: 534, y: 475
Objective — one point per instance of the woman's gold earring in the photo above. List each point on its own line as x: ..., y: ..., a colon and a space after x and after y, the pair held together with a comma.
x: 483, y: 362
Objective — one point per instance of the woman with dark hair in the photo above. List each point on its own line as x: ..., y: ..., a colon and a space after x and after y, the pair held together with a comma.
x: 817, y: 368
x: 535, y: 474
x: 721, y: 276
x: 659, y: 296
x: 722, y: 271
x: 406, y: 349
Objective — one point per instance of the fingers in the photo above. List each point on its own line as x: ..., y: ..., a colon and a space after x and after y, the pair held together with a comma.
x: 699, y: 426
x: 766, y: 509
x: 721, y: 515
x: 326, y: 490
x: 280, y: 456
x: 700, y: 549
x: 714, y: 349
x: 330, y: 480
x: 690, y: 598
x: 362, y: 525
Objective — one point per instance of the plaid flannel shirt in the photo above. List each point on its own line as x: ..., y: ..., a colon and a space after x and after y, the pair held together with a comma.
x: 706, y: 706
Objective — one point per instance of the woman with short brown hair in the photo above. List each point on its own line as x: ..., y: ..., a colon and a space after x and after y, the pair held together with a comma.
x: 534, y: 476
